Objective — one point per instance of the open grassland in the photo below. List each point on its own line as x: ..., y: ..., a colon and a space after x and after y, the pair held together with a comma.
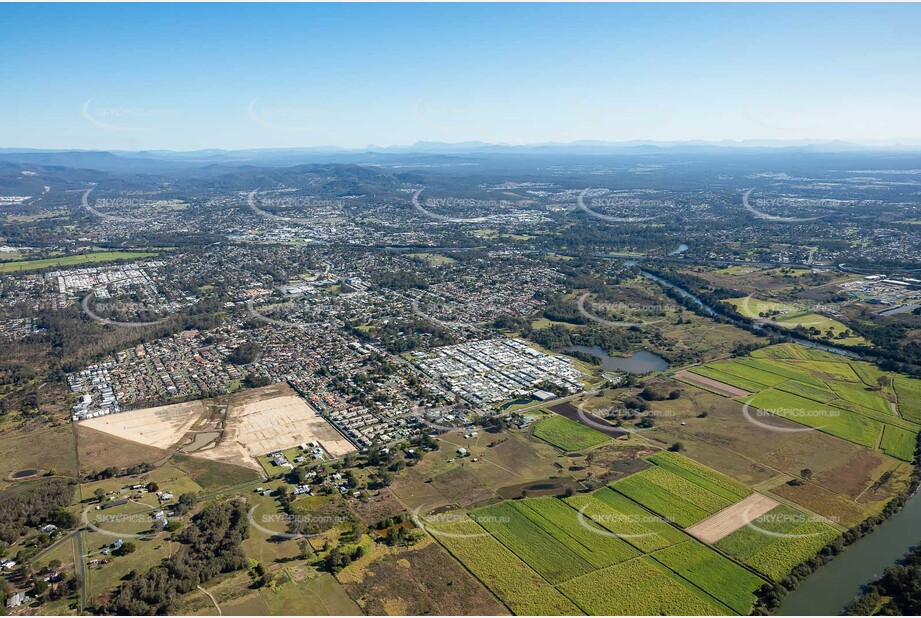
x: 777, y: 541
x: 909, y: 392
x: 610, y: 511
x: 713, y: 573
x: 500, y: 570
x: 213, y: 475
x: 671, y: 496
x: 73, y: 260
x: 789, y: 316
x: 568, y: 435
x: 640, y: 587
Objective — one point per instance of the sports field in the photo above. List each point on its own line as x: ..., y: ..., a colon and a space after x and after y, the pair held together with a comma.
x: 73, y: 260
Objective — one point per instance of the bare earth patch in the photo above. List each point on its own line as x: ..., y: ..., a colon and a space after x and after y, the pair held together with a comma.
x: 160, y: 427
x: 277, y: 420
x: 713, y: 385
x: 732, y: 518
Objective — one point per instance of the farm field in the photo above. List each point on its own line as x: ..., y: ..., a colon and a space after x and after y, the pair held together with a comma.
x: 500, y: 570
x: 714, y: 574
x: 832, y: 394
x: 617, y: 514
x: 909, y: 393
x: 775, y: 542
x: 640, y: 587
x: 680, y: 490
x: 72, y: 260
x: 568, y: 435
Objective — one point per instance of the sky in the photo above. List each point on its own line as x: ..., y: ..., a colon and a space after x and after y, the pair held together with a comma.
x: 233, y: 76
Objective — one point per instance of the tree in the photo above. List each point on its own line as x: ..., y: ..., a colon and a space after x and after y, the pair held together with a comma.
x: 676, y: 447
x: 884, y: 381
x: 805, y: 474
x: 100, y: 493
x: 125, y: 549
x: 152, y: 487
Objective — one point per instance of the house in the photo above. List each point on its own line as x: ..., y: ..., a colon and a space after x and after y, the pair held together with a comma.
x: 16, y: 599
x: 109, y: 505
x: 166, y: 496
x: 461, y: 452
x: 544, y: 395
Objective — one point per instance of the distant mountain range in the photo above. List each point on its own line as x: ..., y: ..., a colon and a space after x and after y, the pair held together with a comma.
x: 420, y: 153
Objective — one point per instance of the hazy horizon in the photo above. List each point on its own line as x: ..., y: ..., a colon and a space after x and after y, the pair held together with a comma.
x: 191, y: 77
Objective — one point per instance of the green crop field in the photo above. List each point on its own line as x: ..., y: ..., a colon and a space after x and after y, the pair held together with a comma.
x: 727, y: 378
x: 619, y: 515
x: 568, y: 435
x: 839, y: 396
x: 562, y: 523
x: 747, y: 372
x: 781, y: 368
x: 899, y: 443
x: 858, y: 393
x: 72, y: 260
x: 671, y: 496
x: 821, y: 394
x: 513, y: 581
x: 542, y: 552
x: 713, y: 573
x: 838, y: 422
x: 701, y: 475
x: 909, y: 393
x: 640, y: 587
x: 776, y: 542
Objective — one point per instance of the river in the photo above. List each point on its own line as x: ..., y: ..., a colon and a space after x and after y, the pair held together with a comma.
x: 827, y: 591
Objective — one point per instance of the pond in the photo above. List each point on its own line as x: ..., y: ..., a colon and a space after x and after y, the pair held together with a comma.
x: 638, y: 362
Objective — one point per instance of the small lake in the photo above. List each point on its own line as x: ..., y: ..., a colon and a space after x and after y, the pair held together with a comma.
x: 638, y: 362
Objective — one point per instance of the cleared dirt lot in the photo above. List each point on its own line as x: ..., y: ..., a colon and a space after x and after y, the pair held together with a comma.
x: 160, y: 427
x: 732, y: 518
x: 270, y: 419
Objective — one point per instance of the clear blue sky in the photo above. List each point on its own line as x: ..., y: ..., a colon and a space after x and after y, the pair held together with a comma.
x: 244, y: 76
